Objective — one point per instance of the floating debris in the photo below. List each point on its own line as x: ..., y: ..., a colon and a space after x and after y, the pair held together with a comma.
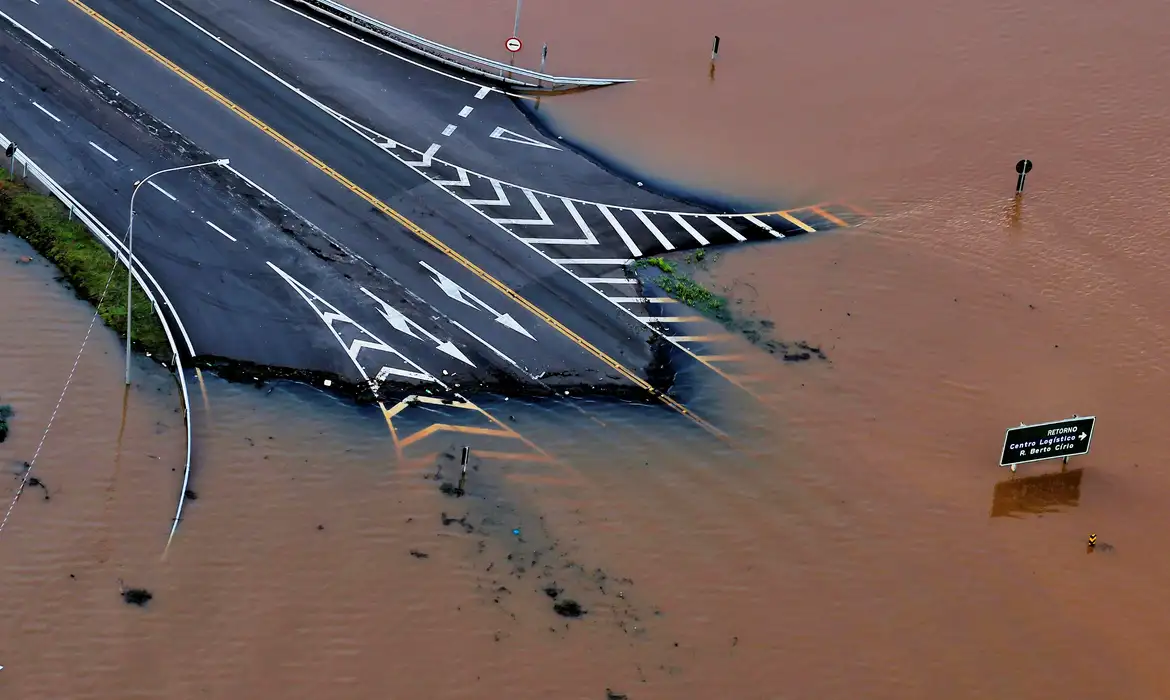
x: 418, y: 554
x: 568, y: 608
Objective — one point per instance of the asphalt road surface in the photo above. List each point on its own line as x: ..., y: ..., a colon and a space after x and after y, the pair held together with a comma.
x: 371, y: 200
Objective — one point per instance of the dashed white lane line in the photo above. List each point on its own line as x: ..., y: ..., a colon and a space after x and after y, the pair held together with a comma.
x: 103, y: 151
x: 168, y: 194
x: 670, y: 319
x: 593, y: 261
x: 642, y: 300
x: 26, y: 30
x: 51, y: 115
x: 225, y: 233
x: 465, y: 111
x: 449, y: 130
x: 483, y: 92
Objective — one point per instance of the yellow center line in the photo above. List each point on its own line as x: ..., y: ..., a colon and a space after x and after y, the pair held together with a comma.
x: 402, y: 220
x: 446, y: 427
x: 793, y: 220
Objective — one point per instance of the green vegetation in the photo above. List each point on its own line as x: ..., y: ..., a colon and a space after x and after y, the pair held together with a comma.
x: 44, y: 222
x: 5, y: 414
x: 686, y: 290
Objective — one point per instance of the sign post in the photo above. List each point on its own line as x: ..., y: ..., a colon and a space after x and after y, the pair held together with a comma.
x: 1022, y: 169
x: 1059, y: 439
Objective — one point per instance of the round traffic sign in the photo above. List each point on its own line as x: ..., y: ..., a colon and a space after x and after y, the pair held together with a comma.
x: 1024, y: 167
x: 513, y: 44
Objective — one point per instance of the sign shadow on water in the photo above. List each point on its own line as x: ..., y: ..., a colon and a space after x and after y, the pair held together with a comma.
x: 1034, y: 495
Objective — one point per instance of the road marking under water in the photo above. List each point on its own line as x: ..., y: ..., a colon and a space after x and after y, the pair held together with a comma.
x: 225, y: 233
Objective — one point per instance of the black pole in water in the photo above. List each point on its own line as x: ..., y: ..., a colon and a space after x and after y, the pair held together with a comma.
x: 463, y: 464
x: 1022, y: 168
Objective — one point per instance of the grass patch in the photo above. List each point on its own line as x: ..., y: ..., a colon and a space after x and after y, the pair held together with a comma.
x: 683, y: 288
x: 44, y: 222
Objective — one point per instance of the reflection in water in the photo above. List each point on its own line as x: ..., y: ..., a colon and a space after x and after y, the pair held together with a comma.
x: 1043, y: 493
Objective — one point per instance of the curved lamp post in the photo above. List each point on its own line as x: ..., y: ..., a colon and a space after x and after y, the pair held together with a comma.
x: 130, y: 251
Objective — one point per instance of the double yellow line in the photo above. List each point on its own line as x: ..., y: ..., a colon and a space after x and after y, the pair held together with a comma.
x: 406, y: 223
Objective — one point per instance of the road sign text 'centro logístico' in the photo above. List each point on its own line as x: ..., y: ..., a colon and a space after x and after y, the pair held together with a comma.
x: 1033, y: 443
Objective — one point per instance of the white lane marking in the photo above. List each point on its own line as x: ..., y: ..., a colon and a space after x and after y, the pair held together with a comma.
x: 606, y: 280
x: 503, y: 134
x: 501, y: 199
x: 653, y: 229
x: 167, y: 194
x: 449, y: 130
x: 461, y: 182
x: 690, y: 229
x: 589, y: 238
x: 592, y: 261
x: 621, y: 232
x: 734, y: 234
x: 483, y: 92
x: 103, y: 151
x: 669, y: 319
x: 225, y: 233
x: 51, y: 115
x: 642, y: 300
x: 542, y: 221
x: 489, y: 346
x: 425, y: 162
x: 333, y: 315
x: 764, y: 226
x: 461, y: 295
x: 26, y: 30
x: 465, y: 111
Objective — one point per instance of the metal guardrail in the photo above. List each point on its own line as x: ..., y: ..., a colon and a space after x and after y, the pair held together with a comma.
x: 462, y: 60
x: 99, y: 231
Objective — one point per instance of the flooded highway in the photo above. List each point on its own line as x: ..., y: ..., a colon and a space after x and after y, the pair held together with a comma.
x: 855, y: 537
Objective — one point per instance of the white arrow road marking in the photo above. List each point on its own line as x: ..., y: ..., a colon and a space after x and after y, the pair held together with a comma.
x: 426, y: 157
x: 501, y: 199
x: 542, y: 221
x: 453, y: 290
x: 491, y: 347
x: 353, y: 349
x: 404, y: 325
x: 505, y: 135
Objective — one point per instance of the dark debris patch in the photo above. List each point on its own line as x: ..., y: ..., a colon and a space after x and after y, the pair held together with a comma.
x: 611, y: 695
x: 552, y: 591
x: 418, y: 554
x: 568, y: 608
x: 136, y: 596
x: 449, y: 489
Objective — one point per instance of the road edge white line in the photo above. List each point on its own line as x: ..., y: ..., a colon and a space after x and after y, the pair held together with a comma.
x: 26, y: 30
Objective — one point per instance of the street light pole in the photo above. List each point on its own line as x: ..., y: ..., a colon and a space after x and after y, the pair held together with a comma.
x: 130, y: 248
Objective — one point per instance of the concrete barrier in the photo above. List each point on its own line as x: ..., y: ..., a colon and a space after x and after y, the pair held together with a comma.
x: 39, y: 181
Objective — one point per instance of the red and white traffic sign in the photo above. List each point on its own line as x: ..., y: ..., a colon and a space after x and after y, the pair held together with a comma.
x: 513, y: 44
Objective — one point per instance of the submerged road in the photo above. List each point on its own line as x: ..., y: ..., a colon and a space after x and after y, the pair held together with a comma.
x: 418, y: 219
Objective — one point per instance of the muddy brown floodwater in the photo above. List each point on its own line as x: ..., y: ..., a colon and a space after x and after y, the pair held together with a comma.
x: 859, y: 540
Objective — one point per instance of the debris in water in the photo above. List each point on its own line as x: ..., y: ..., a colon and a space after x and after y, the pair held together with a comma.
x: 191, y: 495
x: 568, y: 608
x: 418, y: 555
x: 449, y: 489
x: 135, y: 596
x: 320, y: 527
x: 552, y: 591
x: 609, y: 694
x: 5, y: 414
